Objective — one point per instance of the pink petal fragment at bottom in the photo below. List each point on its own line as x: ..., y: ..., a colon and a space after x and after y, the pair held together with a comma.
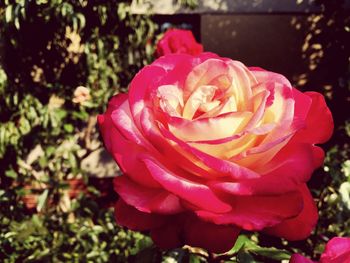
x: 297, y: 258
x: 337, y: 251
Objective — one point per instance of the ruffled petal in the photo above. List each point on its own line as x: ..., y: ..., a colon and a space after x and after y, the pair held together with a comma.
x: 123, y: 121
x: 337, y: 251
x: 168, y: 236
x: 212, y: 237
x: 105, y: 122
x: 204, y: 73
x: 215, y: 128
x: 290, y: 168
x: 188, y: 161
x: 141, y: 87
x: 297, y: 258
x: 222, y: 167
x: 304, y: 223
x: 149, y: 200
x: 263, y: 75
x: 195, y: 193
x: 319, y: 122
x: 133, y: 219
x: 257, y: 212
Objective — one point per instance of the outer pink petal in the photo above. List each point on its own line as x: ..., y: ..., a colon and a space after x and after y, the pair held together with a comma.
x: 292, y: 167
x: 262, y: 76
x: 105, y: 122
x: 302, y: 106
x: 297, y: 258
x: 132, y: 218
x: 179, y: 183
x: 172, y: 61
x: 337, y: 251
x: 304, y: 223
x: 168, y: 236
x: 123, y: 121
x: 257, y: 212
x: 126, y: 153
x: 147, y: 199
x: 214, y: 238
x: 319, y: 122
x: 141, y: 88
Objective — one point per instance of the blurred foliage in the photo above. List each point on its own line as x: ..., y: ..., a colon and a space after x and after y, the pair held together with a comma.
x: 326, y: 51
x: 49, y: 48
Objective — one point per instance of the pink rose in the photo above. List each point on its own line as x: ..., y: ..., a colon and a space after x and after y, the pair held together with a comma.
x: 178, y: 41
x: 209, y: 147
x: 337, y: 251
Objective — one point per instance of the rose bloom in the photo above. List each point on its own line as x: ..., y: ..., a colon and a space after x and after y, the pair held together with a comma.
x: 337, y: 251
x: 178, y: 41
x: 209, y: 147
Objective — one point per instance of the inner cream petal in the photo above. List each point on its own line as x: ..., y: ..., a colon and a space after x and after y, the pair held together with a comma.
x: 203, y: 94
x: 226, y: 150
x: 170, y: 99
x: 205, y: 107
x: 242, y: 81
x: 210, y: 128
x: 229, y: 105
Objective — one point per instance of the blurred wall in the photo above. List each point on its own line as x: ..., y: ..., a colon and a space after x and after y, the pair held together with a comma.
x: 269, y: 41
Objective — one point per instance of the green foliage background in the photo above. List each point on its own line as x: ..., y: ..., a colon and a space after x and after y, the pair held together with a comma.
x: 50, y: 47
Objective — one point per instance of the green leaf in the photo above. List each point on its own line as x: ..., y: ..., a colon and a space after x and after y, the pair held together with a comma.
x: 11, y: 173
x: 272, y: 253
x: 42, y: 199
x: 82, y: 20
x: 245, y: 257
x: 8, y: 13
x: 68, y: 127
x: 241, y: 241
x: 194, y: 259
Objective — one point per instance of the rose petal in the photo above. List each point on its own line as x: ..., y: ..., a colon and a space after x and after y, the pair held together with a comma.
x: 168, y: 236
x: 215, y: 128
x: 291, y: 167
x: 318, y: 116
x: 297, y: 258
x: 197, y: 194
x: 202, y: 234
x: 304, y: 222
x: 149, y: 200
x: 223, y: 167
x: 124, y: 122
x: 125, y: 152
x: 203, y: 74
x: 133, y: 219
x: 301, y: 107
x: 141, y: 87
x: 104, y: 120
x: 257, y: 212
x: 188, y: 161
x: 263, y: 76
x: 337, y: 251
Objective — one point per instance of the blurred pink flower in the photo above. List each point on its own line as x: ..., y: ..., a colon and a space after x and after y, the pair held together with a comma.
x: 337, y: 251
x: 178, y: 41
